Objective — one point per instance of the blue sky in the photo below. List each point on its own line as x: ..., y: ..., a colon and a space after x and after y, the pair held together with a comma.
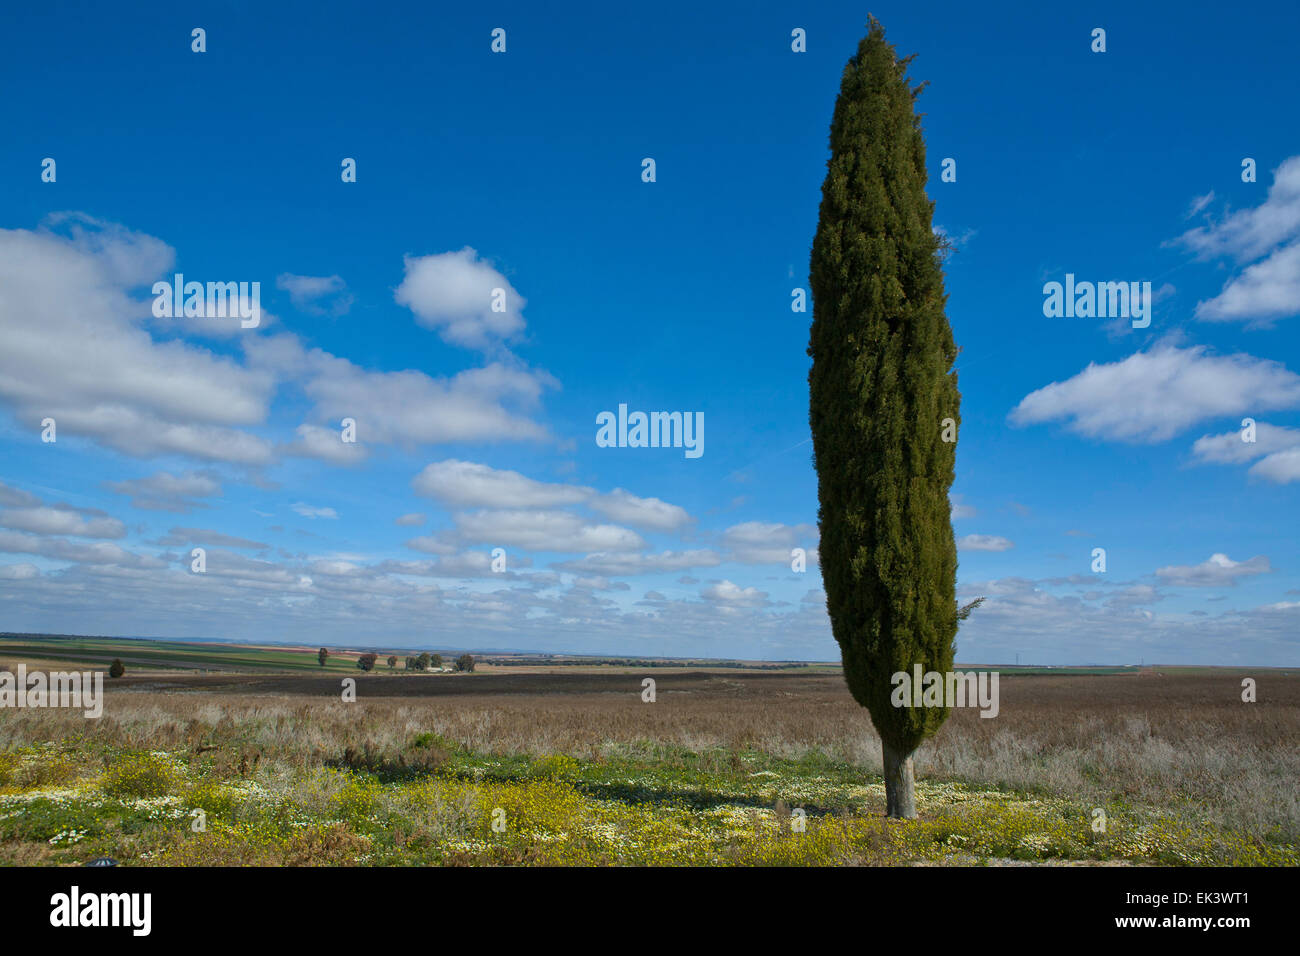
x: 476, y: 429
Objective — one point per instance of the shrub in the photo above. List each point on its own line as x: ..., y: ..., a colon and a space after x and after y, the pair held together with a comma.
x: 139, y: 775
x: 366, y: 662
x: 117, y: 668
x: 465, y: 662
x: 559, y: 767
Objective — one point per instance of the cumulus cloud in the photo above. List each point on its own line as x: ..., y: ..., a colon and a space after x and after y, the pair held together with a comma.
x: 1217, y: 571
x: 75, y: 349
x: 453, y: 294
x: 725, y: 592
x: 1276, y: 447
x: 1269, y: 232
x: 628, y: 565
x: 11, y: 497
x: 543, y: 530
x: 163, y: 491
x: 325, y: 444
x: 1152, y: 396
x: 651, y: 513
x: 486, y: 404
x: 465, y: 484
x: 1281, y: 468
x: 1250, y: 233
x: 760, y: 542
x: 62, y: 549
x: 984, y: 542
x: 1267, y: 290
x: 66, y: 521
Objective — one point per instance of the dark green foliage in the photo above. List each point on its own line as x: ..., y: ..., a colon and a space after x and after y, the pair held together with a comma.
x: 366, y: 662
x: 881, y: 384
x: 435, y: 660
x: 322, y: 655
x: 117, y: 668
x: 465, y: 662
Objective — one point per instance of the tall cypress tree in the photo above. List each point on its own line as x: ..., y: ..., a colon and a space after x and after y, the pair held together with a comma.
x: 881, y: 384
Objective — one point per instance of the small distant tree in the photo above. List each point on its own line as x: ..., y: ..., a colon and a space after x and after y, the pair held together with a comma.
x: 117, y: 668
x: 435, y: 661
x: 392, y: 661
x: 321, y: 656
x: 465, y: 662
x: 367, y: 661
x: 422, y: 662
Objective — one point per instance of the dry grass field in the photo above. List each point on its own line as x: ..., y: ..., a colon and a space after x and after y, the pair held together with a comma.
x: 579, y: 769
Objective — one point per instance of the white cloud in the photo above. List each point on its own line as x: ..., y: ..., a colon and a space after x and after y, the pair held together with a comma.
x: 310, y: 511
x: 11, y: 497
x: 163, y: 491
x: 325, y: 444
x: 62, y: 549
x: 651, y: 513
x: 1250, y: 233
x: 47, y: 520
x: 452, y: 293
x: 725, y: 592
x: 479, y: 405
x: 558, y: 531
x: 305, y: 291
x: 759, y: 542
x: 1152, y: 396
x: 412, y: 520
x: 465, y: 484
x: 1229, y: 448
x: 959, y: 508
x: 1281, y: 467
x: 1199, y: 203
x: 1270, y: 232
x: 628, y: 565
x: 1217, y: 571
x: 74, y: 348
x: 984, y: 542
x: 1269, y: 289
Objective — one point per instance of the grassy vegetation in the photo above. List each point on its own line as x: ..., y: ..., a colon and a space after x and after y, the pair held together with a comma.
x: 432, y: 804
x: 713, y: 774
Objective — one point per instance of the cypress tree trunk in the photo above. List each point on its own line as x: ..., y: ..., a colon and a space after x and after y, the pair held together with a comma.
x: 881, y: 389
x: 900, y: 784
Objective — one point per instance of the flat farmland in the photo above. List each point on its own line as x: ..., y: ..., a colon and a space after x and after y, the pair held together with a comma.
x: 722, y: 767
